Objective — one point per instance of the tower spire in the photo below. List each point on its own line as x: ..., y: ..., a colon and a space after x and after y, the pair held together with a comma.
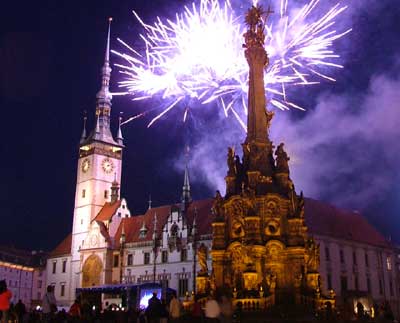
x: 102, y: 131
x: 186, y: 196
x: 103, y: 98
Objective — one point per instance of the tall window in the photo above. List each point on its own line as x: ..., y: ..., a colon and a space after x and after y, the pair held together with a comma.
x: 356, y: 287
x: 380, y: 286
x: 146, y: 258
x: 130, y: 260
x: 389, y: 263
x: 83, y: 193
x: 54, y: 266
x: 366, y: 260
x: 354, y: 258
x: 64, y: 266
x: 62, y: 291
x: 391, y: 288
x: 327, y: 254
x: 106, y: 194
x: 164, y: 256
x: 116, y: 261
x: 183, y: 286
x: 343, y: 283
x: 329, y: 281
x: 341, y: 254
x: 368, y: 284
x: 183, y: 255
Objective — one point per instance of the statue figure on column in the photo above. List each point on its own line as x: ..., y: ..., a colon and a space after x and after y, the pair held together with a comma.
x: 202, y: 257
x: 282, y: 165
x: 231, y: 161
x: 217, y: 204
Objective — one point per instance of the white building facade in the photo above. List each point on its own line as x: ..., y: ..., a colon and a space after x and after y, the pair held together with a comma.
x: 24, y: 273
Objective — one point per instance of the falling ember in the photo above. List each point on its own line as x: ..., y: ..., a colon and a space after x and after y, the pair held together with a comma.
x: 199, y: 55
x: 185, y: 114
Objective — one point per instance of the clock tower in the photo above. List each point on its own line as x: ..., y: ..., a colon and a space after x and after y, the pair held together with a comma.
x: 99, y: 165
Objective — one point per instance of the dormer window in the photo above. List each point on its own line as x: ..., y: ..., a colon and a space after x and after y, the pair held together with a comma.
x: 174, y: 230
x: 142, y: 231
x: 174, y: 240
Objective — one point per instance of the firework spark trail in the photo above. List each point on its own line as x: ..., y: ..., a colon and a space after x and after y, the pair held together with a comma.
x: 199, y: 55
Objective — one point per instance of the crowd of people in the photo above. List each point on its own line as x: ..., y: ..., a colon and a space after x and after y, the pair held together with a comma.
x: 158, y: 311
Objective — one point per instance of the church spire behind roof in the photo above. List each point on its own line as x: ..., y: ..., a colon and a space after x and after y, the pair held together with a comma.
x: 186, y: 196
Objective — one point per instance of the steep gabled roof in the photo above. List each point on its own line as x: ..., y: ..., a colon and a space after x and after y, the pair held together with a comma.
x: 64, y: 247
x: 203, y: 217
x: 107, y: 211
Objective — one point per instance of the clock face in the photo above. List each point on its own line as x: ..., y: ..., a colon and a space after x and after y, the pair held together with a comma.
x: 85, y: 165
x: 107, y: 165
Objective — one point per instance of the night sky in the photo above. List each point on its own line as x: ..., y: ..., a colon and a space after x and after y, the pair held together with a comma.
x: 345, y: 149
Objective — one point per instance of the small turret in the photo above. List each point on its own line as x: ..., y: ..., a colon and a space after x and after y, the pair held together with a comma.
x: 83, y: 136
x: 120, y: 139
x: 114, y: 190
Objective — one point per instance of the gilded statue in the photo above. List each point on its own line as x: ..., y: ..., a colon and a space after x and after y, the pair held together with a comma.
x: 231, y: 161
x: 202, y: 257
x: 217, y: 204
x: 255, y: 34
x: 282, y: 165
x: 269, y: 115
x: 312, y: 255
x: 271, y: 281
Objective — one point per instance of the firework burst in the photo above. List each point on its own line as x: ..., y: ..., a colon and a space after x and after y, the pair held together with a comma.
x: 199, y: 55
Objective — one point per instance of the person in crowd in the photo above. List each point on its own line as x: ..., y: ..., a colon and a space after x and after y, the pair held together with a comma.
x: 154, y: 309
x: 75, y: 311
x: 49, y: 304
x: 226, y: 310
x: 20, y: 311
x: 164, y: 311
x: 212, y: 310
x: 197, y: 311
x: 174, y: 308
x: 5, y: 296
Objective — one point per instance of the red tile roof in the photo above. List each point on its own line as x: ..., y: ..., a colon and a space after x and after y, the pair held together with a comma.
x: 64, y: 248
x: 133, y: 224
x: 107, y: 211
x: 327, y: 220
x: 204, y: 215
x: 321, y: 218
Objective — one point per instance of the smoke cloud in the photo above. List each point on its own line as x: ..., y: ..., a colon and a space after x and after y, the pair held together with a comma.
x: 345, y: 150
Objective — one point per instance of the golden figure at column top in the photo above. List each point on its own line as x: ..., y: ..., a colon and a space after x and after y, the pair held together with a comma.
x: 255, y: 21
